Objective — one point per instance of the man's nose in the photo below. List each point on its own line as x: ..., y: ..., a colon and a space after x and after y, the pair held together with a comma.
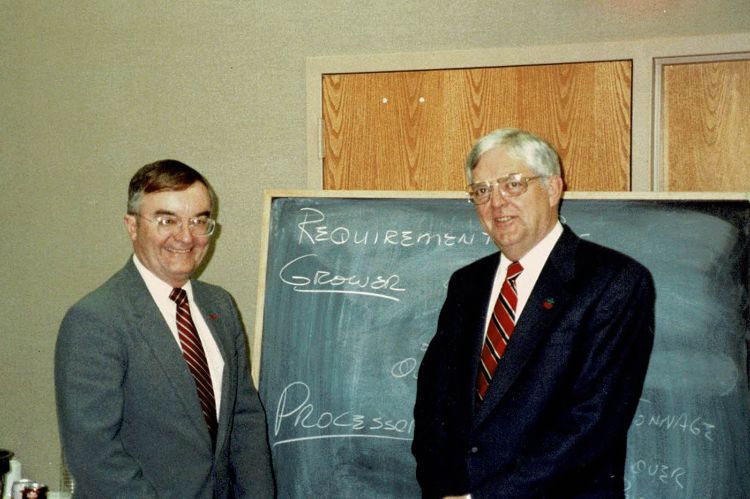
x: 183, y: 232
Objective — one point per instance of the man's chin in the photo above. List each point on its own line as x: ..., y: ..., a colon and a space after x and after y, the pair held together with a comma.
x: 180, y: 273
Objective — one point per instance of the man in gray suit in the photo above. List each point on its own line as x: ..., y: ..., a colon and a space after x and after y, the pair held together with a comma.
x: 154, y: 396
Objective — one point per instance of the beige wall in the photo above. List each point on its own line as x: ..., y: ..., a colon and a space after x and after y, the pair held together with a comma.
x: 91, y: 90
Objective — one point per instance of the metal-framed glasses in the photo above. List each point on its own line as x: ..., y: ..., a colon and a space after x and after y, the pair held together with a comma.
x: 510, y: 186
x: 171, y: 225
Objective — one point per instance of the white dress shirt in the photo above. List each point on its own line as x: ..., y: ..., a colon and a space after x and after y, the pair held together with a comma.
x: 532, y: 263
x: 160, y: 291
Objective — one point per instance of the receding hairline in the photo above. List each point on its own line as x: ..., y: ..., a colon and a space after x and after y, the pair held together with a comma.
x: 163, y: 176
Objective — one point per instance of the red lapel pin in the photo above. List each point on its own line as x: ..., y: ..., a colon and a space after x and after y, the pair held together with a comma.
x: 549, y: 303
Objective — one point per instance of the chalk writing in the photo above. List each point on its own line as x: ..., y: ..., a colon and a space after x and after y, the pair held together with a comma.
x: 408, y: 366
x: 294, y: 411
x: 324, y: 281
x: 312, y: 230
x: 690, y: 425
x: 359, y: 354
x: 404, y: 368
x: 675, y: 476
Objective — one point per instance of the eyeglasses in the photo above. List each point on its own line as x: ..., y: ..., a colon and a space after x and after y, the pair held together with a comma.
x: 171, y: 225
x: 510, y: 186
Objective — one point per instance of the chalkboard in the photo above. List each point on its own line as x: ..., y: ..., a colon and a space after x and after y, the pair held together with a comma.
x: 351, y: 291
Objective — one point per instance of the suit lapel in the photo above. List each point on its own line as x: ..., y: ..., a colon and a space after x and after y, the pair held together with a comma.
x: 479, y: 298
x: 155, y: 332
x: 214, y: 315
x: 546, y: 304
x: 216, y: 319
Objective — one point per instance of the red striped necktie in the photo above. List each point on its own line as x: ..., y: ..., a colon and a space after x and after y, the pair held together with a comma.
x: 500, y: 328
x: 195, y: 356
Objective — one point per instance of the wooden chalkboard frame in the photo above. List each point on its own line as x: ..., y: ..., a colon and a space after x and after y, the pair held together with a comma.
x: 728, y: 206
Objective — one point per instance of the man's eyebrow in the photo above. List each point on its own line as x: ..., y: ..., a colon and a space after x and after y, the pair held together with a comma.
x: 165, y: 212
x: 206, y: 213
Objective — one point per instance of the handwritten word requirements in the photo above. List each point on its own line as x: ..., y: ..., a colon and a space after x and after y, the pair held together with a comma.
x: 314, y: 230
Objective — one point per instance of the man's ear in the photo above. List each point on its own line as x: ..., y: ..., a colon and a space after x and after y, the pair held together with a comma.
x: 131, y: 225
x: 554, y: 189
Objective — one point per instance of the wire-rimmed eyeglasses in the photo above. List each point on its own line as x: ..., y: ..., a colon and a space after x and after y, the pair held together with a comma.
x: 170, y: 225
x: 510, y: 186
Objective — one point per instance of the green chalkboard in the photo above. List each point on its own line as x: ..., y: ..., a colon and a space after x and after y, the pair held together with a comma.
x: 351, y: 290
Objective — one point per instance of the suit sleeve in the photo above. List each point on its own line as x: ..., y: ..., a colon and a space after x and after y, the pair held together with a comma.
x: 438, y: 430
x: 89, y: 370
x: 606, y: 390
x: 249, y: 453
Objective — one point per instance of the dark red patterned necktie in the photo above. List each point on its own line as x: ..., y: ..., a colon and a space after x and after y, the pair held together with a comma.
x: 499, y: 329
x: 195, y: 356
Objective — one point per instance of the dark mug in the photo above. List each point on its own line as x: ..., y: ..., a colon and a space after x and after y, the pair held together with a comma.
x: 5, y: 456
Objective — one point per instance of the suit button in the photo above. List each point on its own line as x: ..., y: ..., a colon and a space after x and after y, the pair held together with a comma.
x: 474, y: 450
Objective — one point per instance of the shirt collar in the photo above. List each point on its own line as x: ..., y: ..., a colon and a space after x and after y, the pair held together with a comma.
x: 537, y: 256
x: 156, y: 286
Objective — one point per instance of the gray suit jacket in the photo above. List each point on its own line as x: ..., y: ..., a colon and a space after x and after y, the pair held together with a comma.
x: 130, y: 421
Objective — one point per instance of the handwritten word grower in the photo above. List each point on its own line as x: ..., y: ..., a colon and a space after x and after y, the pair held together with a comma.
x: 324, y: 281
x: 663, y: 473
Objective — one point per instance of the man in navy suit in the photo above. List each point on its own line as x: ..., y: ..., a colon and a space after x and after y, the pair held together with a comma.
x: 137, y: 418
x: 547, y: 416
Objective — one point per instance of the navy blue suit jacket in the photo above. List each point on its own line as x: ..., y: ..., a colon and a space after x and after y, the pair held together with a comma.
x: 555, y: 418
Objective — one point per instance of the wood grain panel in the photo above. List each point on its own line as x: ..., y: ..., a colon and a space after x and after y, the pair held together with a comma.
x: 705, y: 132
x: 411, y: 130
x: 379, y: 129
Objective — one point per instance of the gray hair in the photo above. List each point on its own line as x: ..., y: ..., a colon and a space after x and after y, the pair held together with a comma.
x: 538, y: 155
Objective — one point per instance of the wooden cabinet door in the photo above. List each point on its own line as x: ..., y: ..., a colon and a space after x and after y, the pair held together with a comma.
x: 411, y: 130
x: 705, y: 126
